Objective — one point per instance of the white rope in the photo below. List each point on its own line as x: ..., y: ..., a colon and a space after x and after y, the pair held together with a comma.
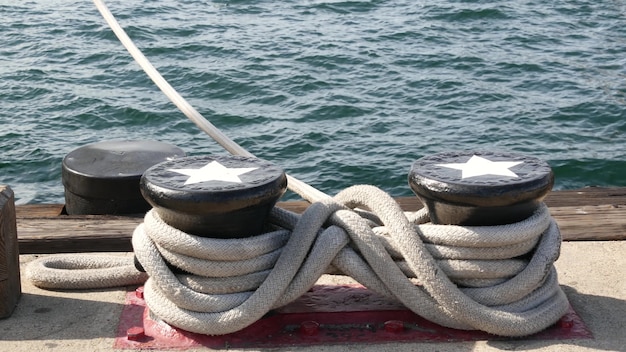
x: 306, y: 191
x: 83, y: 271
x: 525, y: 299
x: 456, y: 276
x: 234, y: 282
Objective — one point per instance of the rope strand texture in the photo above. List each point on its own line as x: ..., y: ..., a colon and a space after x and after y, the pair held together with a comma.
x: 476, y: 287
x: 499, y: 279
x: 83, y: 272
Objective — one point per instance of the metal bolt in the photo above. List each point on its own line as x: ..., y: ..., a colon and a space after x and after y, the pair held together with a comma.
x: 139, y: 292
x: 394, y: 326
x: 135, y: 333
x: 309, y: 328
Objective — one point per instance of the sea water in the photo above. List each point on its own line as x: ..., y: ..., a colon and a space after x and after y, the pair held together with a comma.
x: 336, y: 92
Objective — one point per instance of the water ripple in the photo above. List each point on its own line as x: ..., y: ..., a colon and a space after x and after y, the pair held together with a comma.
x: 337, y: 92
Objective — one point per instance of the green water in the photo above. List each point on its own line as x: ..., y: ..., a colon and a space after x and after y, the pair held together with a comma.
x: 336, y: 92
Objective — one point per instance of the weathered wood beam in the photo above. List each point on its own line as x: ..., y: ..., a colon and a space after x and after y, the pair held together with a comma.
x: 588, y: 214
x: 10, y: 287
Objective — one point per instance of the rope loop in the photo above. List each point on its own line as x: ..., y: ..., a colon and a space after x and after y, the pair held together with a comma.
x: 498, y: 279
x: 83, y: 271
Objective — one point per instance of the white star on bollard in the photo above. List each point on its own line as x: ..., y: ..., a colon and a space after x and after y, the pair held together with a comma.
x: 213, y: 171
x: 477, y: 166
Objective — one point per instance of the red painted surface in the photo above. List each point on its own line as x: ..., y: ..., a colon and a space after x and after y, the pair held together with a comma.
x: 326, y: 315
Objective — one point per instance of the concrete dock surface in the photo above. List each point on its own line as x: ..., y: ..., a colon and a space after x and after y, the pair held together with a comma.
x: 592, y: 273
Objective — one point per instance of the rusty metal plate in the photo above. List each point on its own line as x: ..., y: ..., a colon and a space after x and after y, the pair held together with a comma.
x: 326, y: 315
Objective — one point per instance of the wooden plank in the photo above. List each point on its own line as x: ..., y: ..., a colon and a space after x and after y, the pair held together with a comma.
x: 586, y: 214
x: 591, y: 222
x: 10, y: 286
x: 582, y: 196
x: 75, y: 234
x: 85, y: 235
x: 577, y: 197
x: 39, y: 210
x: 587, y: 196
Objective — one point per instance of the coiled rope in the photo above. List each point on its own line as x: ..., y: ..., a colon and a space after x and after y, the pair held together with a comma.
x: 233, y: 283
x: 498, y: 279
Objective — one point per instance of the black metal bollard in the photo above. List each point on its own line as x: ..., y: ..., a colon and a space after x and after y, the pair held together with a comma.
x: 480, y: 188
x: 214, y: 196
x: 103, y: 177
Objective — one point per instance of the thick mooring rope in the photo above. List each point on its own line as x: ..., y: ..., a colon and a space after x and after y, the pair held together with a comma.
x: 460, y: 277
x: 498, y: 279
x: 309, y: 193
x: 83, y: 271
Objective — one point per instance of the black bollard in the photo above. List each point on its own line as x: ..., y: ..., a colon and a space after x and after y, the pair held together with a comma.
x: 214, y: 196
x: 103, y: 177
x: 480, y: 188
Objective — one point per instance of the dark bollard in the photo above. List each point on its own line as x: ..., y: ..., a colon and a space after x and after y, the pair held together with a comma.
x: 480, y: 188
x: 103, y: 178
x: 214, y: 196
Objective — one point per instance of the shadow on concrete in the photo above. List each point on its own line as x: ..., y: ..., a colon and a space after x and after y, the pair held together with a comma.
x: 603, y: 316
x: 82, y: 315
x: 77, y: 315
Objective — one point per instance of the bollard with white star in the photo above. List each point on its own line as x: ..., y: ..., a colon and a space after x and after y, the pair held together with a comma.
x: 214, y: 196
x: 480, y: 188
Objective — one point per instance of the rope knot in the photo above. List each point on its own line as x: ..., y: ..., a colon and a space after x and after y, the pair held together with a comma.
x: 499, y: 279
